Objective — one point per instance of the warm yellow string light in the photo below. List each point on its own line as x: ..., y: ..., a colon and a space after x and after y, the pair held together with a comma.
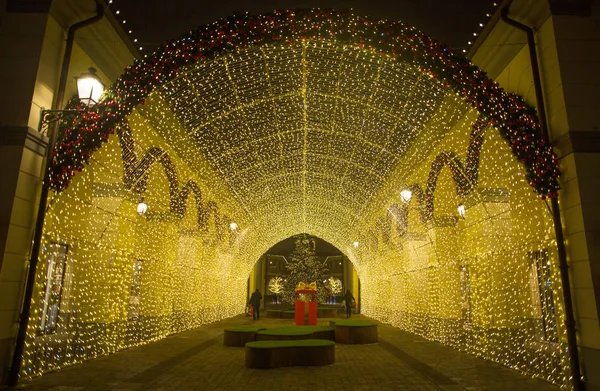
x: 313, y: 137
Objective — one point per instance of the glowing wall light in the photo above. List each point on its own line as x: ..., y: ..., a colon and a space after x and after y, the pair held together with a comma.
x: 461, y: 210
x: 89, y: 87
x: 405, y: 195
x: 142, y: 207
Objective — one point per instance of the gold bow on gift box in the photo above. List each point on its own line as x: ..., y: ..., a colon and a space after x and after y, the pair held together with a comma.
x: 306, y: 287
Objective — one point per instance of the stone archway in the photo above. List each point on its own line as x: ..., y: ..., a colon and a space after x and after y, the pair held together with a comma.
x: 310, y: 121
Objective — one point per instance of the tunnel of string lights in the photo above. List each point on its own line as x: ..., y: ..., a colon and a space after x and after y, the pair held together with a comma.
x: 308, y: 121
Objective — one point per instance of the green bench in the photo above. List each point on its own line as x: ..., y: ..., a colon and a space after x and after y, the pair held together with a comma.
x: 275, y: 354
x: 240, y: 335
x: 350, y: 331
x: 296, y: 333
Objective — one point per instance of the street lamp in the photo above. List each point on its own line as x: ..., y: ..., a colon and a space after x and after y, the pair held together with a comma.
x: 89, y: 87
x: 89, y: 90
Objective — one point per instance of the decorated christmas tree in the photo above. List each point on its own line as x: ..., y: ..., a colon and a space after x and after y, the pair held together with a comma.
x: 305, y: 266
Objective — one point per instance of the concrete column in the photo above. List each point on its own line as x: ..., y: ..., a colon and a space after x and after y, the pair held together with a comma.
x: 22, y: 35
x: 22, y: 152
x: 347, y: 275
x: 259, y: 276
x: 572, y: 85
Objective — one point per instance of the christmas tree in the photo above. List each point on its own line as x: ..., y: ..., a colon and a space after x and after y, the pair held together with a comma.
x: 305, y: 266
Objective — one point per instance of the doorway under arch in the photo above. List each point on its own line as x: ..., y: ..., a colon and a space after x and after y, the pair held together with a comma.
x: 278, y: 271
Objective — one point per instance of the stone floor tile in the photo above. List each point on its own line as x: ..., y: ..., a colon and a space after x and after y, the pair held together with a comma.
x: 197, y: 360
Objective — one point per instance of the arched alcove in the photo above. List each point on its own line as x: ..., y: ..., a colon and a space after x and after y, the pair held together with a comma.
x: 333, y: 277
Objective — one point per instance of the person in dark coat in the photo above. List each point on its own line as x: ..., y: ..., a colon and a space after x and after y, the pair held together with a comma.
x: 255, y: 303
x: 349, y: 303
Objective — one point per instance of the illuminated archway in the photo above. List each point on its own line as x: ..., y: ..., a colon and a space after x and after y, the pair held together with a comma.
x: 313, y: 121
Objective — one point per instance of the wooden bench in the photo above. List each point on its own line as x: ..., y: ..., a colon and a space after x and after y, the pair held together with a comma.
x: 350, y: 331
x: 240, y: 335
x: 296, y: 333
x: 273, y: 313
x: 275, y: 354
x: 326, y: 312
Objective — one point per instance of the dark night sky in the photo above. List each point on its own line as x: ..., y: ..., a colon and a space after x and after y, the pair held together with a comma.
x: 152, y: 22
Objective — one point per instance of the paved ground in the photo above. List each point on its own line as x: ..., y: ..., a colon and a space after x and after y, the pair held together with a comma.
x: 197, y: 360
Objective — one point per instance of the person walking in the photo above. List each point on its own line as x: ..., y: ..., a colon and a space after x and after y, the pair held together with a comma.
x: 255, y: 303
x: 349, y: 302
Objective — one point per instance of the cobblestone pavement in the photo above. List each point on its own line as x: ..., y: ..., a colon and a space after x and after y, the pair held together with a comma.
x: 197, y: 360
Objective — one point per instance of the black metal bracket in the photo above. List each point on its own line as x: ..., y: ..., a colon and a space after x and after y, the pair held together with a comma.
x: 50, y: 117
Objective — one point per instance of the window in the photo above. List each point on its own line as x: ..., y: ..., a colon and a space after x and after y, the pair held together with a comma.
x: 136, y: 290
x: 542, y: 295
x: 273, y: 266
x: 57, y: 288
x: 335, y: 264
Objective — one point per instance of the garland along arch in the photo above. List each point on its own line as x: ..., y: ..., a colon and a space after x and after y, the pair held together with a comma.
x: 516, y: 121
